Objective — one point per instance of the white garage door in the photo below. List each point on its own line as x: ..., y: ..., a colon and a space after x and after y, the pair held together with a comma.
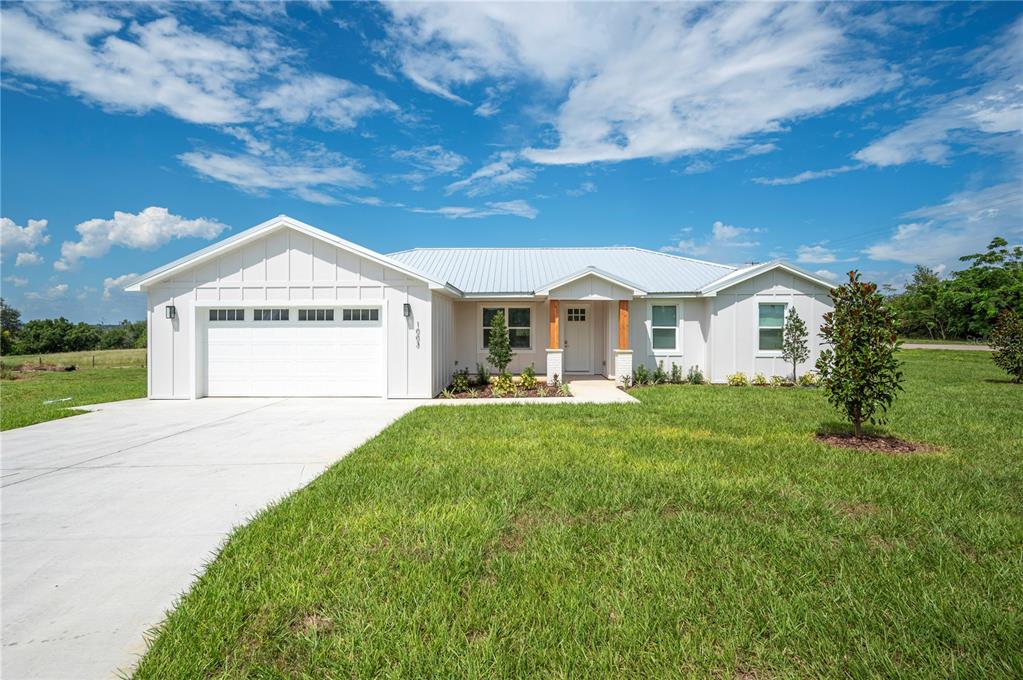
x: 295, y: 352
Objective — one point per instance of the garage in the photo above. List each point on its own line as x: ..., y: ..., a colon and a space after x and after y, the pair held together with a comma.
x: 307, y: 351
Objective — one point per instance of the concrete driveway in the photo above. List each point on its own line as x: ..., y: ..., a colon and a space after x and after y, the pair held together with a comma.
x: 107, y: 517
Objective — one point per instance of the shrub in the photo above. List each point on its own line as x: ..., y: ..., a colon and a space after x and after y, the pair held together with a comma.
x: 808, y: 380
x: 694, y: 376
x: 859, y: 370
x: 676, y: 374
x: 1007, y: 343
x: 472, y: 393
x: 564, y: 391
x: 640, y: 375
x: 503, y: 385
x: 460, y: 381
x: 659, y: 376
x: 626, y: 381
x: 738, y: 380
x: 500, y: 346
x: 759, y: 380
x: 793, y: 344
x: 781, y: 381
x: 482, y: 374
x: 529, y: 381
x: 447, y: 394
x: 554, y: 382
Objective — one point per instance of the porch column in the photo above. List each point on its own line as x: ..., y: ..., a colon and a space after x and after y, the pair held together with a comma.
x: 555, y: 353
x: 623, y: 355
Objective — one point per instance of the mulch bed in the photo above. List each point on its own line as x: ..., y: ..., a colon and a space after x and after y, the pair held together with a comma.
x: 874, y: 443
x: 487, y: 392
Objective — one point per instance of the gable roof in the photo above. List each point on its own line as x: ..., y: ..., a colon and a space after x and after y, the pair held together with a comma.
x: 525, y: 271
x: 589, y: 271
x: 746, y: 273
x: 260, y: 230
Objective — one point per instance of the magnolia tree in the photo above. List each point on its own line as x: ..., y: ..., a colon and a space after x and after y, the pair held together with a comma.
x: 1007, y: 343
x: 498, y: 343
x: 859, y: 371
x: 793, y: 343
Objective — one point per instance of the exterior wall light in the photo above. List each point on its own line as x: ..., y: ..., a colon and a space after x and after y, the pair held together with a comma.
x: 406, y: 310
x: 171, y: 311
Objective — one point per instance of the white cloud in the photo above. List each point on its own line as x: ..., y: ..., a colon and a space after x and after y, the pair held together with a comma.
x: 306, y: 177
x: 756, y: 150
x: 16, y: 281
x: 806, y: 176
x: 643, y: 80
x: 827, y: 274
x: 964, y: 223
x: 725, y: 242
x: 429, y: 161
x: 487, y: 109
x: 15, y: 238
x: 116, y: 284
x: 55, y: 292
x: 146, y: 230
x: 328, y: 102
x: 817, y: 254
x: 698, y: 167
x: 27, y: 259
x: 497, y: 174
x: 516, y: 208
x: 582, y: 189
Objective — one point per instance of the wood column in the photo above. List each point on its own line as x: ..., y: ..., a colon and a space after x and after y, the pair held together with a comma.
x: 623, y: 324
x: 555, y: 317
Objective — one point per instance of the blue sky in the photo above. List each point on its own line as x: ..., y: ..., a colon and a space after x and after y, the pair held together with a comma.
x: 833, y: 136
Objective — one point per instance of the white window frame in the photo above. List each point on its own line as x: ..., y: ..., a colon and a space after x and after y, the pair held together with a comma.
x: 678, y: 329
x: 784, y: 313
x: 304, y: 311
x: 369, y: 313
x: 258, y: 312
x: 228, y: 311
x: 505, y: 308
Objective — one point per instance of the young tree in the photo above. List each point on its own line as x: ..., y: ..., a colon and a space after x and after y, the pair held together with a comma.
x: 500, y: 346
x: 10, y: 324
x: 793, y: 343
x: 859, y: 371
x: 1007, y: 342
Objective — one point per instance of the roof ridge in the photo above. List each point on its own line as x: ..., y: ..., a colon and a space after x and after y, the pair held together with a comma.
x: 683, y: 257
x: 409, y: 250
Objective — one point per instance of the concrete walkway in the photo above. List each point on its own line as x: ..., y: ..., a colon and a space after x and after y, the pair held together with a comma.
x: 953, y: 346
x: 107, y: 517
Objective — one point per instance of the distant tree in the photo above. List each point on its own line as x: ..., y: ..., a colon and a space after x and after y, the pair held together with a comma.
x: 859, y: 371
x: 126, y: 336
x: 922, y: 306
x: 993, y: 282
x: 43, y: 336
x: 1007, y: 342
x: 794, y: 348
x: 499, y: 345
x: 81, y: 337
x: 10, y: 324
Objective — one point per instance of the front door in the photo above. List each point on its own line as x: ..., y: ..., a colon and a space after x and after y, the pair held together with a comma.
x: 578, y: 339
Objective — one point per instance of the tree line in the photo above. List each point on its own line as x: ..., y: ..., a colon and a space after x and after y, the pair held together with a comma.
x: 46, y: 336
x: 966, y: 304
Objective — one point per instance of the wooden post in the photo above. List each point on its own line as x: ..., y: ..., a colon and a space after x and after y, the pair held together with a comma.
x: 623, y: 324
x: 554, y: 322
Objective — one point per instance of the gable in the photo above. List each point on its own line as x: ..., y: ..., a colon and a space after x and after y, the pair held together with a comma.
x: 590, y: 287
x: 778, y: 280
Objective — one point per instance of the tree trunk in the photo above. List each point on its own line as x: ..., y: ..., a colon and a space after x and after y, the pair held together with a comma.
x: 857, y: 427
x: 793, y: 372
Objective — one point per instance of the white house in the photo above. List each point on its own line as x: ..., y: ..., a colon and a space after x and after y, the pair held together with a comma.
x: 286, y: 309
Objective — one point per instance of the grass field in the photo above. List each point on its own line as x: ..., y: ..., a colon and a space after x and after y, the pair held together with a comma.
x: 702, y: 533
x: 119, y: 374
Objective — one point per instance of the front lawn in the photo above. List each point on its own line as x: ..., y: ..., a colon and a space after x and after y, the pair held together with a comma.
x: 701, y: 533
x: 22, y: 399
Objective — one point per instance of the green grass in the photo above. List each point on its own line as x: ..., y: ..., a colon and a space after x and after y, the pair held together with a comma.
x: 21, y: 400
x: 101, y: 358
x: 702, y: 533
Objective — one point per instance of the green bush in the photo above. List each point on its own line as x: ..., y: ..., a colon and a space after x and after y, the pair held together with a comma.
x: 500, y: 346
x: 738, y: 379
x: 659, y: 376
x: 759, y: 380
x: 694, y: 376
x: 641, y: 375
x: 503, y: 385
x: 1007, y: 343
x: 676, y: 374
x: 781, y: 381
x: 809, y: 380
x: 482, y: 374
x: 528, y: 378
x: 460, y: 381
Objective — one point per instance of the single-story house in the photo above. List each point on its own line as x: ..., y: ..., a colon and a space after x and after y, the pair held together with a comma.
x: 286, y: 309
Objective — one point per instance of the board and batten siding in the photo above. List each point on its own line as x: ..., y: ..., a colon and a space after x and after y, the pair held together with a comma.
x: 286, y: 266
x: 443, y: 341
x: 690, y: 349
x: 734, y: 323
x: 468, y: 329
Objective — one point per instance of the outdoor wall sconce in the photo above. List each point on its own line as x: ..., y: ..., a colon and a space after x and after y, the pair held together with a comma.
x: 406, y: 310
x: 171, y: 311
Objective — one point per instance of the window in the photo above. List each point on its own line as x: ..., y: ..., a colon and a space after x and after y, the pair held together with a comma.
x: 517, y: 319
x: 269, y: 315
x: 664, y: 327
x: 575, y: 314
x: 772, y: 322
x: 316, y: 315
x: 360, y: 314
x: 227, y: 315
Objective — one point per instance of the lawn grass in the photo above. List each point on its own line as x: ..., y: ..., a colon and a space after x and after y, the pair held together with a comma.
x: 21, y: 400
x: 100, y: 358
x: 702, y: 533
x: 939, y: 341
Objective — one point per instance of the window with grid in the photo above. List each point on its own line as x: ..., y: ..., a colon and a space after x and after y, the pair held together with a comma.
x: 518, y: 320
x: 664, y: 327
x: 227, y: 315
x: 269, y: 315
x: 771, y: 326
x: 360, y: 314
x: 316, y: 315
x: 576, y: 313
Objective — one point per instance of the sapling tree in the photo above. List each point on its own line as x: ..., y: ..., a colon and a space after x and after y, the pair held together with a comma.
x: 859, y: 371
x: 498, y: 343
x: 793, y: 344
x: 1007, y: 343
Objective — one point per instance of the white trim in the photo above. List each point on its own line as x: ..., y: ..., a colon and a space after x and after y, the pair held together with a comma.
x: 589, y: 271
x: 677, y: 349
x: 770, y: 353
x: 505, y: 305
x: 563, y: 321
x: 740, y: 275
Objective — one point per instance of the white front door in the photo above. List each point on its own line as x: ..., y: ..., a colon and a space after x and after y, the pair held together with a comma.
x: 578, y: 339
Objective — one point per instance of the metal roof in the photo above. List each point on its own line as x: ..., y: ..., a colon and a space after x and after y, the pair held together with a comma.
x: 526, y: 270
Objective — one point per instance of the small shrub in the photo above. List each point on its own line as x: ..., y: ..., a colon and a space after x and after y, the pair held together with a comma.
x: 482, y: 374
x: 738, y: 379
x: 528, y: 378
x: 781, y: 381
x: 554, y: 382
x: 626, y: 381
x: 641, y: 375
x: 472, y: 393
x: 1007, y: 343
x: 694, y: 376
x: 808, y: 380
x: 564, y: 391
x: 447, y: 394
x: 676, y: 374
x: 460, y: 380
x: 503, y: 385
x: 759, y: 380
x: 659, y: 376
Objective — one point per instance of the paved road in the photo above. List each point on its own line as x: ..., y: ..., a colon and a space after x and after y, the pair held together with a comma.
x: 965, y: 348
x: 107, y: 517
